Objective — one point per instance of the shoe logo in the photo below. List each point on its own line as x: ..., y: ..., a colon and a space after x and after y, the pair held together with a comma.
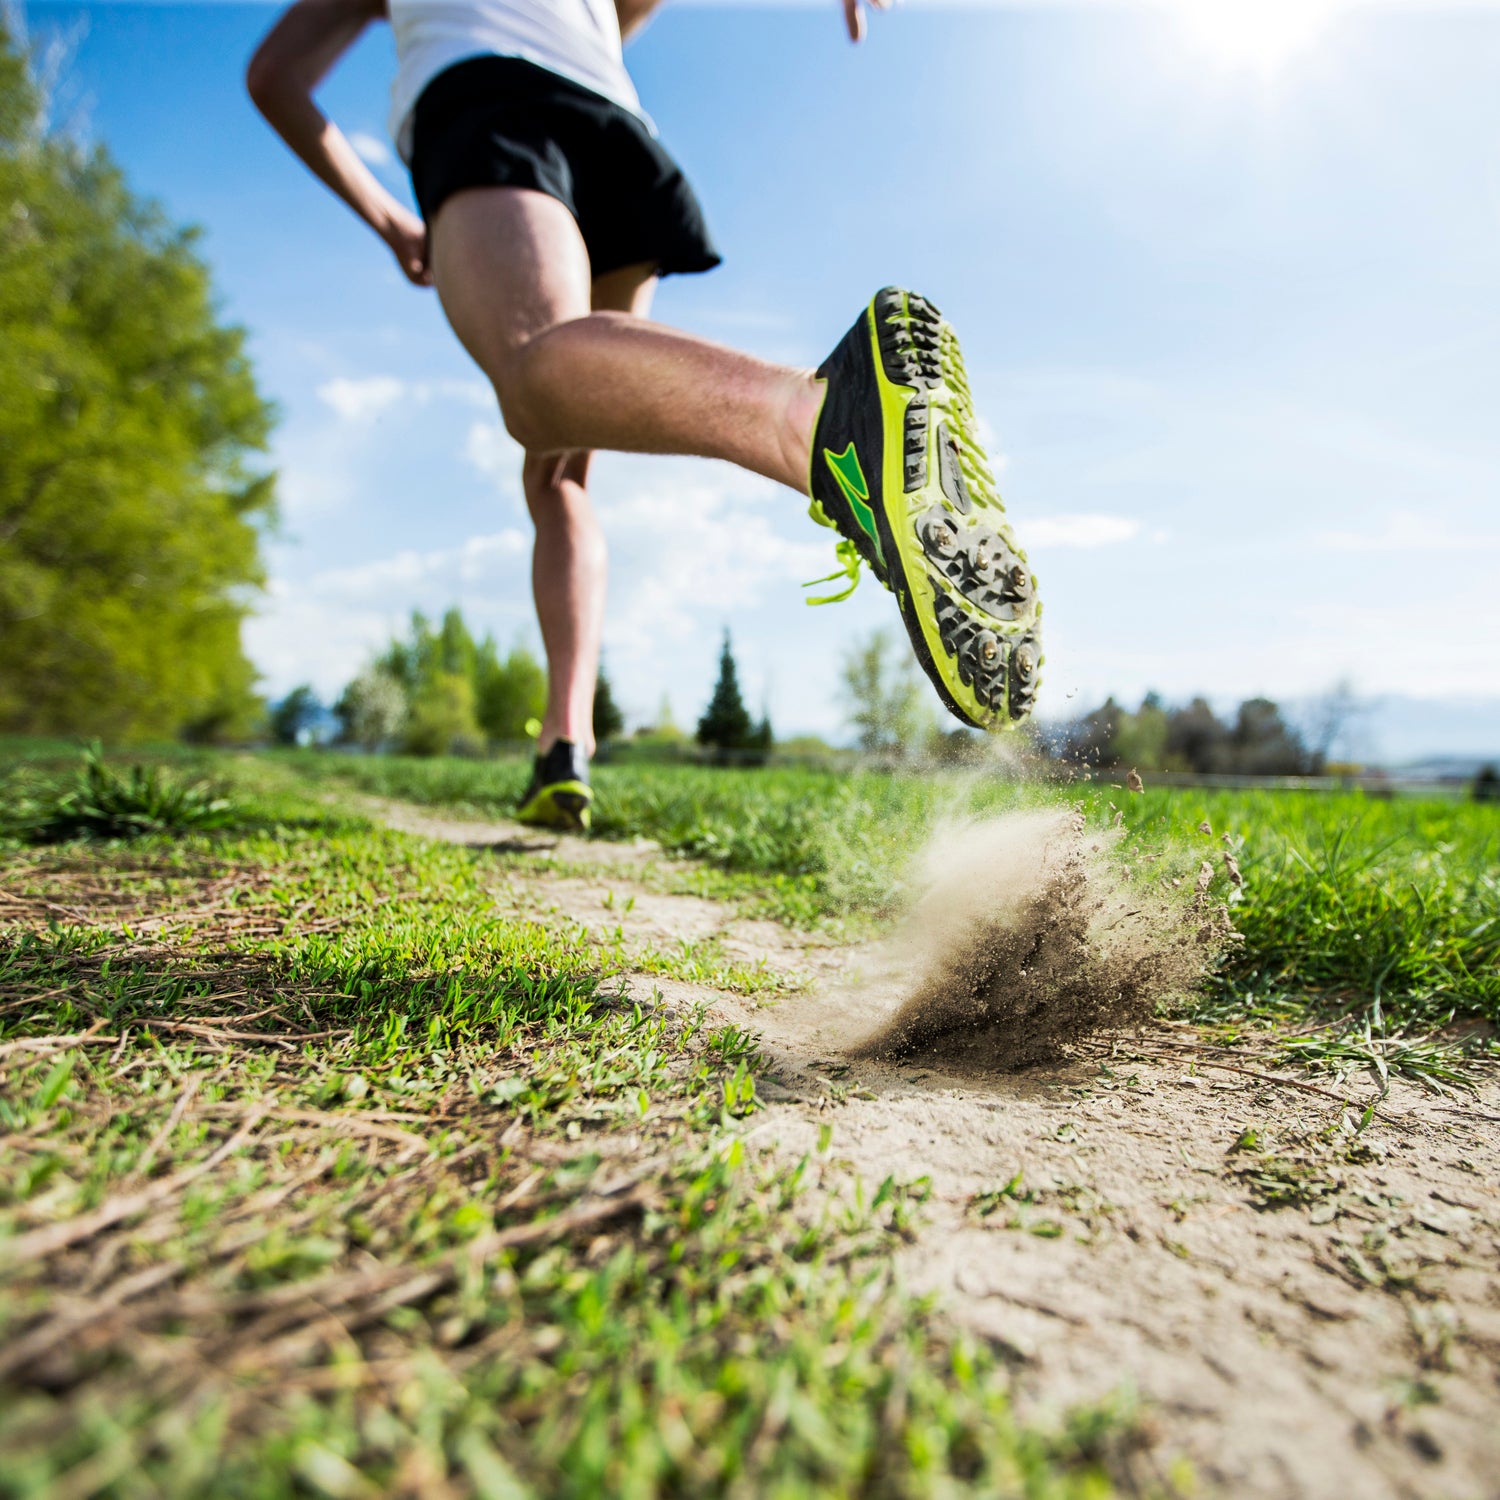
x: 850, y: 478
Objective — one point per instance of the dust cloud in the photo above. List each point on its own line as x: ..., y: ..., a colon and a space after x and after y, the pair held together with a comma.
x: 1034, y: 930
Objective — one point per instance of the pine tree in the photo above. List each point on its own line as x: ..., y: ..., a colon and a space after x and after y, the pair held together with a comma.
x: 725, y: 724
x: 608, y: 720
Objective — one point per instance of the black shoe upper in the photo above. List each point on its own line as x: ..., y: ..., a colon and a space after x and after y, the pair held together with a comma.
x: 564, y: 761
x: 851, y: 414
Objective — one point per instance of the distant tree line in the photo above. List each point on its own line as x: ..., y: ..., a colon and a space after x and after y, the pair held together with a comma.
x: 1256, y: 740
x: 438, y: 691
x: 890, y: 709
x: 131, y: 493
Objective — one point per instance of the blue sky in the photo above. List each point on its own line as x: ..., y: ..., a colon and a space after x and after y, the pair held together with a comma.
x: 1229, y: 289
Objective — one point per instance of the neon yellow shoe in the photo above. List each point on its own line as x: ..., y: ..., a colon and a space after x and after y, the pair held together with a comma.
x: 898, y: 471
x: 559, y: 795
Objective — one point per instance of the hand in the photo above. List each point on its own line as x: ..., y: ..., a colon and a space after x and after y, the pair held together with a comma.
x: 854, y: 16
x: 406, y: 234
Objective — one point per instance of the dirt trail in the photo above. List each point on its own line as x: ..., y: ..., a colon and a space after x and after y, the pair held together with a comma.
x: 1312, y: 1314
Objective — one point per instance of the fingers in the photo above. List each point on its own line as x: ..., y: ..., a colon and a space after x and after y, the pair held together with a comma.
x: 854, y: 19
x: 416, y: 260
x: 416, y: 269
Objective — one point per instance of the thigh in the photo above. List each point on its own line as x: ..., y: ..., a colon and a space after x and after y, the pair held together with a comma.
x: 628, y: 290
x: 507, y: 263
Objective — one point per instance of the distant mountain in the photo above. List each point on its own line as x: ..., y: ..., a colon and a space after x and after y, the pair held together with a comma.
x: 1460, y: 734
x: 1456, y: 768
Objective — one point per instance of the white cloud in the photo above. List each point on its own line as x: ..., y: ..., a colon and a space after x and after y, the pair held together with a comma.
x: 1079, y: 531
x: 415, y: 576
x: 476, y: 393
x: 692, y: 538
x: 1405, y: 532
x: 322, y: 628
x: 298, y: 636
x: 371, y: 148
x: 362, y: 399
x: 492, y: 450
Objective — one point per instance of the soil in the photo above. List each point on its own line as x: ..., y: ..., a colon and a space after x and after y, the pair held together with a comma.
x: 1301, y: 1308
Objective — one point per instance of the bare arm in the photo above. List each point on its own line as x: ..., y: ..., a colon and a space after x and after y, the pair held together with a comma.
x: 286, y: 70
x: 854, y: 16
x: 633, y: 15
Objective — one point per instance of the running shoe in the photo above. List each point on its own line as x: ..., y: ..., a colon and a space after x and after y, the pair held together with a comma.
x: 898, y: 471
x: 559, y: 794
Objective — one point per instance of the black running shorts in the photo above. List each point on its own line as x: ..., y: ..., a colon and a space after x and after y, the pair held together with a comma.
x: 503, y: 122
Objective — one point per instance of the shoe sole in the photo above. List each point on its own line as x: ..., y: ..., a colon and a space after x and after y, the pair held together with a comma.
x: 564, y: 805
x: 967, y: 597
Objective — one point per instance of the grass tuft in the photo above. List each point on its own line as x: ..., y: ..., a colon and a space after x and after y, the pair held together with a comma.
x: 101, y: 803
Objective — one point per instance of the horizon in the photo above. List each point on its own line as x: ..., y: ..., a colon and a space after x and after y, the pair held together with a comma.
x: 1230, y: 315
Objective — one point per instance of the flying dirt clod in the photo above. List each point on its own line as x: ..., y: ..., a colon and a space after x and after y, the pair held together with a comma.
x: 1033, y: 933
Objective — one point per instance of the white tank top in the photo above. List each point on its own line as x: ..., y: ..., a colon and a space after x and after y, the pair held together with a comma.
x: 579, y: 39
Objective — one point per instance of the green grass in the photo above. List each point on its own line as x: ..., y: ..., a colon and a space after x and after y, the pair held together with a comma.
x: 321, y: 1173
x: 102, y: 802
x: 1349, y: 901
x: 320, y: 1176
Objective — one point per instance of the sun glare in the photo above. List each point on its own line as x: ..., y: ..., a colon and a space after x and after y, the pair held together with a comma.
x: 1255, y: 35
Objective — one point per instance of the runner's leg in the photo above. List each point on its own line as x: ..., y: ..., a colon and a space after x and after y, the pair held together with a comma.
x: 513, y: 275
x: 568, y: 565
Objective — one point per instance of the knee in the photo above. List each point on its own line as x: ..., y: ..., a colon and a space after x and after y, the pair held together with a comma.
x: 523, y: 413
x: 523, y: 404
x: 532, y: 383
x: 555, y: 488
x: 541, y: 479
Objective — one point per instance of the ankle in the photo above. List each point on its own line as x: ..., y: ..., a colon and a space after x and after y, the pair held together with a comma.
x: 799, y: 417
x: 549, y: 737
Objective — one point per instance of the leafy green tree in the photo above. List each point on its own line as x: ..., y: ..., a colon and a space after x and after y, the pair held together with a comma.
x: 297, y: 712
x: 608, y: 720
x: 371, y: 709
x: 726, y: 724
x: 1262, y: 743
x: 1140, y: 739
x: 1196, y: 738
x: 414, y: 660
x: 441, y: 719
x: 456, y: 648
x: 1091, y: 738
x: 883, y: 696
x: 509, y: 693
x: 130, y: 505
x: 502, y: 694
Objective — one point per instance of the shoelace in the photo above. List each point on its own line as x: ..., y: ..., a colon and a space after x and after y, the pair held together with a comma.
x: 970, y: 459
x: 848, y: 568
